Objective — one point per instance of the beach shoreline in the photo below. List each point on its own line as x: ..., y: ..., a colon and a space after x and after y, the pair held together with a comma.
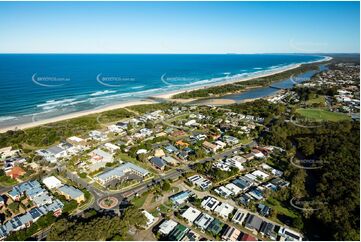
x: 74, y: 115
x: 169, y: 95
x: 153, y: 99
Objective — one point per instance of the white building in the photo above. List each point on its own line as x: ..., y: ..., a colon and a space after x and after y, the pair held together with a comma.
x: 223, y: 191
x: 210, y: 203
x: 111, y: 147
x: 150, y: 219
x: 235, y: 189
x: 167, y: 226
x: 52, y: 182
x: 191, y: 214
x: 224, y: 210
x: 203, y: 221
x: 260, y: 174
x: 191, y: 123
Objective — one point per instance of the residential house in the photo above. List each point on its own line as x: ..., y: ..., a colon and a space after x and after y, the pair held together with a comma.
x: 209, y: 203
x: 220, y: 144
x: 239, y: 216
x: 178, y: 233
x: 170, y: 160
x: 99, y: 155
x: 231, y: 234
x: 244, y: 199
x: 111, y: 147
x: 15, y: 172
x: 289, y: 235
x: 150, y: 219
x: 247, y: 237
x: 191, y: 236
x: 191, y: 123
x: 243, y: 183
x: 2, y: 201
x: 253, y: 223
x: 224, y: 210
x: 223, y: 192
x: 167, y: 226
x: 159, y: 153
x: 260, y: 175
x: 249, y: 156
x: 52, y: 154
x: 210, y: 147
x: 230, y: 140
x: 269, y: 230
x: 203, y: 221
x: 199, y: 181
x: 215, y: 227
x: 263, y: 210
x: 257, y: 193
x: 235, y: 189
x: 157, y: 163
x: 97, y: 135
x: 7, y: 152
x: 52, y: 182
x: 181, y: 197
x: 171, y: 149
x: 191, y: 214
x: 181, y: 144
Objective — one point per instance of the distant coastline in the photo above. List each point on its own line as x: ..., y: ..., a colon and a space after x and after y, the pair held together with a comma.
x: 153, y: 99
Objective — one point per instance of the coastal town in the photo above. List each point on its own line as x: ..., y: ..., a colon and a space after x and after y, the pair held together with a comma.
x: 194, y: 172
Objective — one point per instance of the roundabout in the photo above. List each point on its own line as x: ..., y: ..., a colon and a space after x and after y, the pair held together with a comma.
x: 108, y: 202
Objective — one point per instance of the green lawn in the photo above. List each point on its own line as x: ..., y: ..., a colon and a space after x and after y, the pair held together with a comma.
x: 322, y: 115
x: 316, y: 100
x: 277, y: 206
x: 139, y: 201
x: 162, y: 209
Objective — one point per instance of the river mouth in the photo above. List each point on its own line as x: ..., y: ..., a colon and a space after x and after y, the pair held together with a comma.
x: 262, y: 92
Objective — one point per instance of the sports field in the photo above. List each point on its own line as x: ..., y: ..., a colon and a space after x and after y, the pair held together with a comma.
x: 322, y: 115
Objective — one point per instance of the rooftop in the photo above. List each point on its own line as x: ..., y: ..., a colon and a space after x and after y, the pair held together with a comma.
x: 71, y: 191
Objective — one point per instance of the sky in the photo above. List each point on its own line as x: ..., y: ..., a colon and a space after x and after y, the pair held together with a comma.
x: 179, y: 27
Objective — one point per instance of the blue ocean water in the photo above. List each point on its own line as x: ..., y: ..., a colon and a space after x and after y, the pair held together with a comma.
x: 49, y: 85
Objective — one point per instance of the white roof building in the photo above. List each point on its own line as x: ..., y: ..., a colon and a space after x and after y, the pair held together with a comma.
x: 75, y: 139
x: 260, y: 174
x: 52, y: 182
x: 167, y: 226
x: 150, y: 219
x: 209, y: 203
x: 191, y: 214
x: 224, y: 210
x: 203, y: 221
x: 235, y: 189
x: 111, y: 147
x: 191, y: 123
x: 223, y: 191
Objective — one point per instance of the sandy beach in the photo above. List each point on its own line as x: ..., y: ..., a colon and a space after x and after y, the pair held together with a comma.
x: 232, y: 80
x: 167, y: 96
x: 74, y: 115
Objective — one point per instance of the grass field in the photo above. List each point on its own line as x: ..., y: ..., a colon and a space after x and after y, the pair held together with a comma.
x: 322, y: 115
x: 316, y: 100
x: 139, y: 201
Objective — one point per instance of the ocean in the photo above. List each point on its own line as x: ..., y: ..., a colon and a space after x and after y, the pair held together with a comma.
x: 50, y: 85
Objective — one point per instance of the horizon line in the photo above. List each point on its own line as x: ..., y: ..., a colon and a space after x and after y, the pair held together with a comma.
x: 155, y: 53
